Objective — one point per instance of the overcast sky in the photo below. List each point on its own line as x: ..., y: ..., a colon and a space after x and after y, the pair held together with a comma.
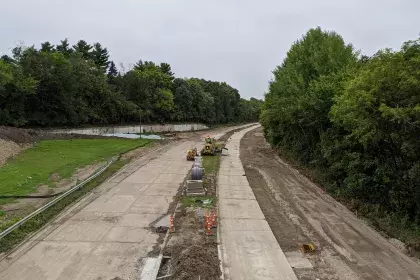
x: 236, y: 41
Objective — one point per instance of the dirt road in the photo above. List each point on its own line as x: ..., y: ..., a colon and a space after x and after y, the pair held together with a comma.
x: 298, y: 212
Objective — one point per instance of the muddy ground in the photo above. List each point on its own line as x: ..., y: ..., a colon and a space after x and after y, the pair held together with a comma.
x: 298, y: 212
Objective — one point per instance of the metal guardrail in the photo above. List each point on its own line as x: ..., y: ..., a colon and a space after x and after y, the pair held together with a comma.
x: 54, y: 201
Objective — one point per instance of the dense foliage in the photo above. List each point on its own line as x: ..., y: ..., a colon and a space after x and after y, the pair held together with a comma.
x: 66, y: 85
x: 352, y: 118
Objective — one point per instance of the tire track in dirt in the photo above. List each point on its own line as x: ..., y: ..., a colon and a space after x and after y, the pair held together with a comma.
x: 298, y: 211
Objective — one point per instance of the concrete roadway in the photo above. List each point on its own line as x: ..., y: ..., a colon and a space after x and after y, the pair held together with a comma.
x: 106, y: 234
x: 249, y: 248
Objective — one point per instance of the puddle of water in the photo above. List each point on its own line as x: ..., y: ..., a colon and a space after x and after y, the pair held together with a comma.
x: 135, y: 136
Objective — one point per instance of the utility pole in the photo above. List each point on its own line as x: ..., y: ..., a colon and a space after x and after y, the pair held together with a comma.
x: 141, y: 129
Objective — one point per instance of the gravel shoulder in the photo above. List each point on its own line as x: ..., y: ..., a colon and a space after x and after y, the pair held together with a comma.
x: 299, y: 212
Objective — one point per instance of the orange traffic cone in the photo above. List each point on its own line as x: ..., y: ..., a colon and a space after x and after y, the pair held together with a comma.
x: 213, y: 221
x: 172, y: 226
x: 208, y: 224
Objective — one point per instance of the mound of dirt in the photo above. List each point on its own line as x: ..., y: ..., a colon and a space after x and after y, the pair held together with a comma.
x: 24, y: 136
x: 18, y: 135
x: 8, y: 149
x: 196, y: 260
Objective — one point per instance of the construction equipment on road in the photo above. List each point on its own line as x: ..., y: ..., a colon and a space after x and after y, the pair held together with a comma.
x: 191, y: 154
x: 211, y: 147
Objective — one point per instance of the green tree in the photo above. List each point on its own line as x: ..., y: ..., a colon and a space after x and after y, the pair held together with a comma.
x: 14, y: 90
x: 296, y: 107
x: 145, y: 85
x: 64, y: 47
x: 112, y: 73
x: 84, y: 48
x: 7, y: 59
x: 380, y: 112
x: 183, y: 99
x: 47, y: 47
x: 100, y: 57
x: 166, y: 68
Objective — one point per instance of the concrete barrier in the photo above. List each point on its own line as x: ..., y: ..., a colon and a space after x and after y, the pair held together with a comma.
x: 133, y: 129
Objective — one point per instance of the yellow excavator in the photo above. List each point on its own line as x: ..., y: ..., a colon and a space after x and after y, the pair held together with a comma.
x: 211, y: 146
x: 192, y: 153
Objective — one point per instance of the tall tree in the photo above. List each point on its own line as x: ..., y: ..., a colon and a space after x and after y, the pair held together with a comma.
x: 100, y: 57
x: 14, y: 91
x: 300, y: 96
x: 112, y: 72
x: 7, y: 58
x: 47, y: 47
x: 166, y: 68
x: 84, y: 48
x: 64, y: 47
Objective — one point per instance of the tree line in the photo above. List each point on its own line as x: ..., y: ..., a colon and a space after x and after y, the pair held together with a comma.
x: 354, y: 121
x: 65, y: 85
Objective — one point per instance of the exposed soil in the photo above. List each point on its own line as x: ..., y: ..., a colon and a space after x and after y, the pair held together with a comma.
x: 192, y: 252
x: 299, y: 212
x: 9, y: 149
x: 22, y: 135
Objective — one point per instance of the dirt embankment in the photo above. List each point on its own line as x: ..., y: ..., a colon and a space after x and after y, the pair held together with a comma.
x: 299, y: 212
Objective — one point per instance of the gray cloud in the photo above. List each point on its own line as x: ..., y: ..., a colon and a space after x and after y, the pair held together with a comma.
x: 239, y: 42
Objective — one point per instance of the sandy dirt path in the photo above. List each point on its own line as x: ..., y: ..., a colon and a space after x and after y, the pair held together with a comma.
x: 107, y: 234
x: 298, y: 212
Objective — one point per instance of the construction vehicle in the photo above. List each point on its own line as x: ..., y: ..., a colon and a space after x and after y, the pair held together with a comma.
x: 191, y: 154
x: 211, y: 146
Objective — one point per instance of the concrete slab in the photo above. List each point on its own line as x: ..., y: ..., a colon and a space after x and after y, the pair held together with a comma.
x: 137, y: 220
x: 131, y: 234
x: 164, y: 221
x: 142, y: 177
x: 80, y: 231
x: 236, y: 192
x: 151, y: 268
x: 240, y: 209
x: 162, y: 189
x: 255, y: 255
x: 127, y: 188
x: 50, y: 260
x: 232, y: 171
x: 169, y: 178
x: 233, y: 180
x: 150, y: 205
x: 117, y: 203
x: 296, y: 260
x: 97, y: 216
x: 113, y: 261
x: 243, y: 225
x: 248, y: 247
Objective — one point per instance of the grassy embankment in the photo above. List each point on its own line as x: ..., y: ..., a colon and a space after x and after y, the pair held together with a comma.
x: 23, y: 174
